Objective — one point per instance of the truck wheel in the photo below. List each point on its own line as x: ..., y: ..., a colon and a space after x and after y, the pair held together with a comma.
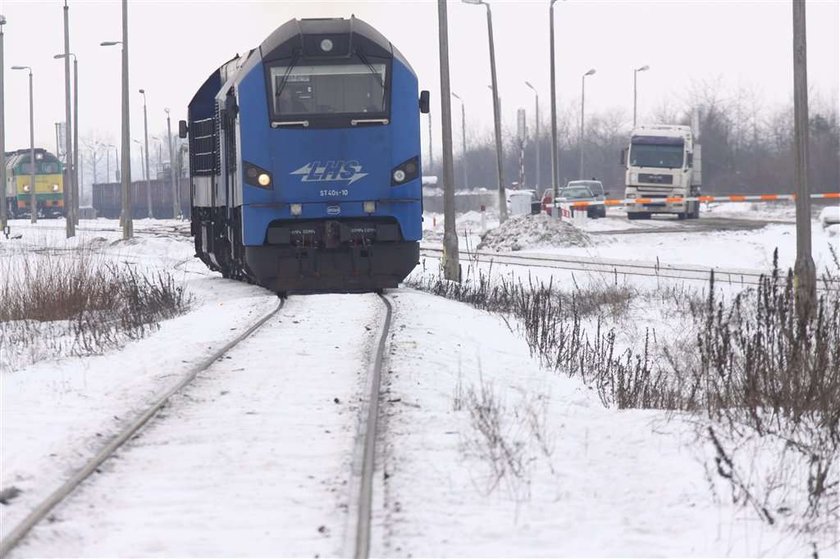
x: 682, y: 215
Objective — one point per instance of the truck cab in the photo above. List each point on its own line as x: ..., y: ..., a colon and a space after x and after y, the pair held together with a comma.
x: 662, y: 162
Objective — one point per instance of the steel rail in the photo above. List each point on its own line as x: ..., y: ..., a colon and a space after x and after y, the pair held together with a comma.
x: 606, y: 266
x: 364, y: 456
x: 42, y: 510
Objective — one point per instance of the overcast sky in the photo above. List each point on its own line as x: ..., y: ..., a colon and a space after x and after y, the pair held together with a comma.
x: 174, y: 45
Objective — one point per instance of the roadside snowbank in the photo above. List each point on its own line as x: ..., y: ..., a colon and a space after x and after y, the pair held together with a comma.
x: 533, y: 231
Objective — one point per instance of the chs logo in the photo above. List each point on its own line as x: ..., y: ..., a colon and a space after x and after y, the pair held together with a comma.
x: 331, y: 171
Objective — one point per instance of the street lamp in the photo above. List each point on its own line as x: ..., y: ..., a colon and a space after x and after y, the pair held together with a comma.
x: 497, y: 118
x: 148, y: 178
x: 463, y: 138
x: 33, y: 204
x: 582, y: 92
x: 127, y: 222
x: 537, y: 139
x: 635, y: 73
x: 76, y: 187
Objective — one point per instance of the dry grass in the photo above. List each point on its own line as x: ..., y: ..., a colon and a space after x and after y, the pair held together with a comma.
x: 76, y: 303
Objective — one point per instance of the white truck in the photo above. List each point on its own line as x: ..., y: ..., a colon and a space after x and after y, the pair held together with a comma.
x: 662, y: 161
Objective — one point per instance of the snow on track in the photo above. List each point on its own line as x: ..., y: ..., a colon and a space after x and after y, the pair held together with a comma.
x: 253, y: 459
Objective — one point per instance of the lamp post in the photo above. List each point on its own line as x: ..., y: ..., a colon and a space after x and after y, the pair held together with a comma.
x: 175, y: 200
x: 635, y: 74
x: 69, y: 190
x: 76, y: 185
x: 537, y: 132
x: 148, y: 177
x: 463, y: 138
x: 33, y: 203
x: 497, y: 118
x: 127, y: 222
x: 3, y: 187
x: 582, y: 98
x: 555, y: 164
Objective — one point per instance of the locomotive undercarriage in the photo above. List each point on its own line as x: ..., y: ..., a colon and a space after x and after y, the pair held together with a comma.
x: 352, y: 255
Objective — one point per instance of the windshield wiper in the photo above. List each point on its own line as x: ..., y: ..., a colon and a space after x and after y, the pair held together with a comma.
x: 289, y: 69
x: 373, y: 71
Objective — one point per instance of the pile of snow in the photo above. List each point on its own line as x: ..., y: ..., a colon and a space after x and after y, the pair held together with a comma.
x: 529, y: 231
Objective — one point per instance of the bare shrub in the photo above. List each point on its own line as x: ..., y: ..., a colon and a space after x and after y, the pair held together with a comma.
x: 78, y: 304
x: 508, y: 441
x: 763, y: 369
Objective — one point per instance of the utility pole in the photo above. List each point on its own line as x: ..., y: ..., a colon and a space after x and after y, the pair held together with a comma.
x: 4, y: 217
x: 451, y: 266
x: 555, y: 169
x: 805, y: 276
x: 175, y: 200
x: 69, y: 176
x: 72, y: 201
x: 127, y: 202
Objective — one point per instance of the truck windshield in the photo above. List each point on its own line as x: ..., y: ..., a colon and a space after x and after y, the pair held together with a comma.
x: 305, y: 91
x: 662, y: 156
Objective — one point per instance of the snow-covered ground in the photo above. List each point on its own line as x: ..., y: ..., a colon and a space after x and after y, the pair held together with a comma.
x: 744, y: 249
x: 592, y: 481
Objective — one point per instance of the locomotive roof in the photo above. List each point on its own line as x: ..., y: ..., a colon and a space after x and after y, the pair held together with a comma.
x: 15, y: 158
x: 293, y: 35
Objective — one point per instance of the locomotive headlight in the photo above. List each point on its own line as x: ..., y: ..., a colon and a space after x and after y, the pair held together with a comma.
x: 26, y: 188
x: 370, y: 207
x: 405, y: 172
x: 326, y: 45
x: 256, y: 175
x: 296, y: 209
x: 55, y: 188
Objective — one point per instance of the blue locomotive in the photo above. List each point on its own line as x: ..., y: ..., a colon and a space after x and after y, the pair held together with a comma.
x: 305, y: 161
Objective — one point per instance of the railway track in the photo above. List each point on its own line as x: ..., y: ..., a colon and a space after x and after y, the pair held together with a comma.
x: 730, y: 276
x: 360, y: 478
x: 361, y: 496
x: 40, y: 512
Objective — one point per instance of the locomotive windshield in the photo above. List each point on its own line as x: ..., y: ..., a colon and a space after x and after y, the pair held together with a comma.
x: 301, y: 92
